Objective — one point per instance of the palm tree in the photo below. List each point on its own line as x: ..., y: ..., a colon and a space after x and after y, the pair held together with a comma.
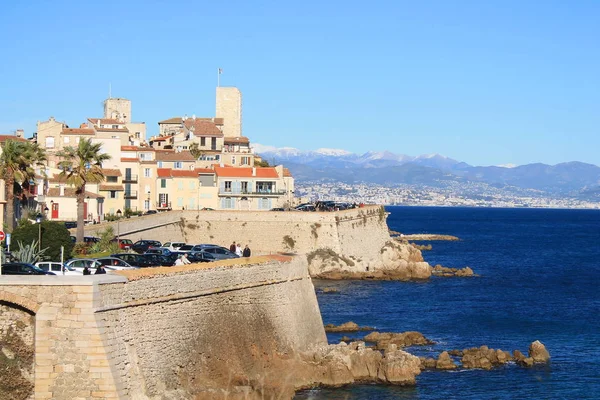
x: 80, y: 166
x: 16, y: 167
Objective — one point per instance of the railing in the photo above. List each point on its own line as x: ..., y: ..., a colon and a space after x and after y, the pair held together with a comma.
x: 132, y: 194
x: 130, y: 179
x: 163, y: 206
x: 255, y: 193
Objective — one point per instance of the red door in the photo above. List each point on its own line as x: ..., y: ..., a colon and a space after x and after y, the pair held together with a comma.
x: 54, y: 210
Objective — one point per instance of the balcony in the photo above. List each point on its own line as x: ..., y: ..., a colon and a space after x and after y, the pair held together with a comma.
x: 261, y: 193
x: 130, y: 179
x: 163, y: 206
x: 132, y: 194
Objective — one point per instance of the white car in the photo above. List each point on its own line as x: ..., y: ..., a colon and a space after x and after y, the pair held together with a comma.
x: 114, y: 263
x: 76, y: 266
x: 173, y: 246
x: 55, y: 267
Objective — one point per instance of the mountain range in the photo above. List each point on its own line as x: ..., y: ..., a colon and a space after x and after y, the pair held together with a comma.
x: 570, y: 179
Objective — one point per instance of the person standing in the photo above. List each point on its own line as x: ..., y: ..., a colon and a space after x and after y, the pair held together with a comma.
x: 100, y: 270
x: 179, y: 261
x: 238, y: 250
x: 232, y: 247
x: 185, y: 259
x: 247, y: 251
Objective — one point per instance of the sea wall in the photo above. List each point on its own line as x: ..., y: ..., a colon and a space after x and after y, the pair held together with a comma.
x: 161, y: 332
x: 353, y: 242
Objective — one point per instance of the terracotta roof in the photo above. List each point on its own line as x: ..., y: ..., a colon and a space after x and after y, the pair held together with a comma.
x: 111, y: 172
x: 136, y: 148
x: 78, y: 131
x: 106, y: 121
x: 4, y: 138
x: 287, y: 173
x: 111, y: 187
x: 218, y: 121
x: 175, y: 120
x: 237, y: 140
x: 203, y: 127
x: 205, y: 171
x: 184, y: 173
x: 70, y: 192
x: 171, y: 155
x: 57, y: 178
x: 163, y: 172
x: 129, y: 159
x: 245, y: 172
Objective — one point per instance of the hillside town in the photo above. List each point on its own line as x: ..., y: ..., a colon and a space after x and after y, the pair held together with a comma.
x: 192, y: 163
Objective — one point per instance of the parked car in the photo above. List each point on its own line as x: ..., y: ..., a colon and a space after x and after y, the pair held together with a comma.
x: 186, y: 248
x: 23, y: 269
x: 51, y: 266
x: 142, y: 245
x: 278, y: 209
x: 305, y: 207
x: 143, y: 260
x: 173, y: 246
x: 150, y: 212
x: 124, y: 244
x: 163, y: 251
x: 115, y: 263
x: 201, y: 256
x: 220, y: 253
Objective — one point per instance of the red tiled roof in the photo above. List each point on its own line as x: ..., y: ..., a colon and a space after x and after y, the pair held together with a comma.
x: 182, y: 173
x: 4, y: 138
x: 245, y: 172
x: 163, y: 172
x: 287, y: 173
x: 111, y: 187
x: 205, y: 171
x: 129, y: 159
x: 203, y: 127
x: 78, y: 131
x: 172, y: 155
x: 111, y: 172
x: 174, y: 120
x: 237, y: 140
x: 136, y: 148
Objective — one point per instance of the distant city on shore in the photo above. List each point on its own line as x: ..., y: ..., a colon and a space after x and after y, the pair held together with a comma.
x: 435, y: 180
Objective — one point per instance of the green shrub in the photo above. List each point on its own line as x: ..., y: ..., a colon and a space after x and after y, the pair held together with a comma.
x: 54, y: 235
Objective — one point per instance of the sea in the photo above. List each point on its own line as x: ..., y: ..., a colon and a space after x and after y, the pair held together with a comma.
x: 539, y: 278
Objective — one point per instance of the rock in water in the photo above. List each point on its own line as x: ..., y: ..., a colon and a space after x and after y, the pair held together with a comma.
x: 399, y: 368
x: 445, y: 362
x: 345, y: 327
x: 538, y: 352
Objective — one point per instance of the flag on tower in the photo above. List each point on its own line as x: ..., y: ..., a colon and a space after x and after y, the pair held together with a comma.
x: 220, y: 71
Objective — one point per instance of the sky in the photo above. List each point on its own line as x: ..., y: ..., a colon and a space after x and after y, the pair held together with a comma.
x: 487, y: 83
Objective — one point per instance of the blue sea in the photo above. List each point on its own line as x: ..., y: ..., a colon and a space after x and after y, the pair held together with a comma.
x: 539, y: 280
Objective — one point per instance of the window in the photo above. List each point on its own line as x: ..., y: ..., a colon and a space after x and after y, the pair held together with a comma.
x: 137, y: 135
x: 147, y: 173
x: 264, y: 204
x: 163, y: 183
x: 202, y: 141
x: 163, y: 199
x: 180, y: 202
x: 192, y: 185
x: 227, y: 202
x: 245, y: 161
x: 265, y: 187
x: 213, y: 143
x: 192, y: 204
x: 180, y: 185
x: 114, y: 194
x: 228, y: 186
x: 217, y: 157
x: 112, y: 179
x: 67, y: 140
x: 146, y: 204
x: 160, y: 163
x: 178, y: 165
x: 115, y: 126
x: 145, y: 157
x: 50, y: 142
x: 244, y: 187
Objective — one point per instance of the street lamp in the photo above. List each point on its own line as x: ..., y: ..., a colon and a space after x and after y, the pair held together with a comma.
x: 119, y: 213
x: 38, y: 220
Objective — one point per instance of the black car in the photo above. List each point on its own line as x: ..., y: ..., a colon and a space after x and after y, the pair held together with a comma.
x: 142, y: 245
x: 150, y: 212
x: 23, y: 269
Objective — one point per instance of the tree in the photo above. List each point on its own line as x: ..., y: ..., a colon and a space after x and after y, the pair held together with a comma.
x: 195, y: 150
x: 80, y: 166
x: 16, y: 167
x: 54, y: 235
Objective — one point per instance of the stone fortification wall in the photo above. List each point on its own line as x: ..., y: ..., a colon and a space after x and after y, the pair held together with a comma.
x: 163, y: 332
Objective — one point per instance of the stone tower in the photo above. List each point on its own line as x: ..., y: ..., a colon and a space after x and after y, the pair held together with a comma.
x: 117, y: 108
x: 229, y: 107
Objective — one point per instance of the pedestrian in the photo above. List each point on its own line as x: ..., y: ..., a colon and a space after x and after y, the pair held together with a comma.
x: 238, y: 250
x: 247, y: 251
x: 86, y: 270
x: 232, y: 247
x: 100, y: 270
x: 178, y: 262
x: 185, y: 259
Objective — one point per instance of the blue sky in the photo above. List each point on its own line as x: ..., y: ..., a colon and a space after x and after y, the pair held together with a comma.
x: 483, y: 82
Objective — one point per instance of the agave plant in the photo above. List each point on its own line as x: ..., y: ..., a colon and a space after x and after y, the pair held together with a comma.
x: 29, y: 253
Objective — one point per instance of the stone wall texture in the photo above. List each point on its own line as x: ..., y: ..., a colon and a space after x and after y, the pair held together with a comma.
x: 163, y: 333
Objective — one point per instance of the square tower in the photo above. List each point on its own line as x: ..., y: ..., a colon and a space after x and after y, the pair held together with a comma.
x: 117, y: 108
x: 229, y: 107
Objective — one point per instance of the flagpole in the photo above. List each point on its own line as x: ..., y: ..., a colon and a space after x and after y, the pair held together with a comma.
x: 218, y: 77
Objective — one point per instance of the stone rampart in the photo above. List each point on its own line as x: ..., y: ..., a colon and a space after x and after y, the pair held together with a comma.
x: 162, y: 332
